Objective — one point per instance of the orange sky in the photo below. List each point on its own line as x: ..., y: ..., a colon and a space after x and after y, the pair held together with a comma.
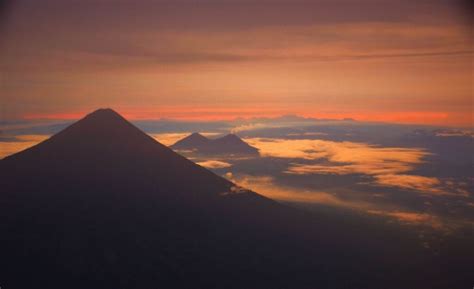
x: 213, y: 114
x: 377, y: 60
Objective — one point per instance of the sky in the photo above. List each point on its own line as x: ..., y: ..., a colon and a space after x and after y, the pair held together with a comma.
x: 371, y: 60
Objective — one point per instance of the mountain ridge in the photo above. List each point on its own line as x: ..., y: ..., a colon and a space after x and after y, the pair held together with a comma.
x: 229, y: 144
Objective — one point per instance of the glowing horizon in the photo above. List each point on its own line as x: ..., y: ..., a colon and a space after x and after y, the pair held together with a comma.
x: 218, y: 114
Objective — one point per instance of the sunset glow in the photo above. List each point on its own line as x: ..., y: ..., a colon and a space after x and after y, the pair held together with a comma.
x: 236, y: 144
x: 214, y: 114
x: 229, y: 60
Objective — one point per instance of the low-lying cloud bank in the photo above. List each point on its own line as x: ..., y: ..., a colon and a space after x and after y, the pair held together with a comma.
x: 214, y: 164
x: 386, y: 166
x: 20, y: 143
x: 267, y: 186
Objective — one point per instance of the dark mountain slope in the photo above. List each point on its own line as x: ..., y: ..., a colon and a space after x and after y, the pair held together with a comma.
x: 103, y: 205
x: 107, y: 148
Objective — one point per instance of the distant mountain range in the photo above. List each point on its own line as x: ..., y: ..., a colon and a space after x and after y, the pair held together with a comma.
x: 230, y: 144
x: 103, y: 205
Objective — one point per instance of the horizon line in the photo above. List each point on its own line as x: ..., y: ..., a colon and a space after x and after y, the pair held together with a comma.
x: 403, y: 118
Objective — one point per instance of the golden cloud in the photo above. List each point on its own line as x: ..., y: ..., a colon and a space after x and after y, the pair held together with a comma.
x: 411, y: 218
x: 23, y: 142
x: 214, y: 164
x: 411, y: 182
x: 388, y: 166
x: 266, y: 185
x: 341, y: 152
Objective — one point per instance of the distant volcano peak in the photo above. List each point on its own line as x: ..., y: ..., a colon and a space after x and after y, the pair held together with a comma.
x: 231, y: 137
x: 228, y: 144
x: 197, y: 135
x: 192, y: 141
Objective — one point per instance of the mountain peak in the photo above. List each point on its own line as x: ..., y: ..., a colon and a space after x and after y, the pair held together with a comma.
x: 228, y: 144
x: 103, y: 131
x: 103, y: 123
x: 197, y: 135
x: 231, y: 136
x: 103, y: 114
x: 193, y: 141
x: 230, y: 139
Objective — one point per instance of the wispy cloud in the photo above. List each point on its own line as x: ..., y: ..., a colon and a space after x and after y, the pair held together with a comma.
x: 455, y: 133
x: 411, y: 218
x: 340, y: 152
x: 252, y: 126
x: 359, y: 168
x: 411, y: 182
x: 267, y: 186
x: 386, y: 166
x: 214, y: 164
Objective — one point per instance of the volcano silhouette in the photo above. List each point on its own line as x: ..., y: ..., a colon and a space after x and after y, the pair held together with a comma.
x: 229, y: 144
x: 103, y: 205
x: 194, y: 141
x: 105, y: 149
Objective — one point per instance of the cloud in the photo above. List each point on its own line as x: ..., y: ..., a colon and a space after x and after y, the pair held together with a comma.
x: 281, y: 121
x: 267, y: 186
x: 412, y: 182
x: 252, y: 126
x: 387, y: 166
x: 455, y: 133
x: 340, y: 152
x: 360, y: 168
x: 281, y: 148
x: 305, y: 134
x: 214, y: 164
x: 411, y: 218
x: 23, y: 142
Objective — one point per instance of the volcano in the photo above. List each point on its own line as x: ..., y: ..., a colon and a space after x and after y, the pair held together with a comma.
x: 194, y: 141
x: 229, y: 144
x: 103, y: 205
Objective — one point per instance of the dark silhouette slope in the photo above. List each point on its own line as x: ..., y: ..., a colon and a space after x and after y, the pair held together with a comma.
x: 103, y: 205
x: 229, y: 144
